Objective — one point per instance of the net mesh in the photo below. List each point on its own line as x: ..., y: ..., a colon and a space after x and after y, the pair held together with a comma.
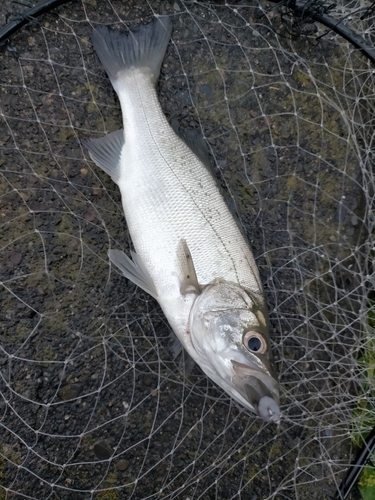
x: 93, y: 405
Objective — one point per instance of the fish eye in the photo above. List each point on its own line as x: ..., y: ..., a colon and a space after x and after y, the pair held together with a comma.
x: 255, y: 342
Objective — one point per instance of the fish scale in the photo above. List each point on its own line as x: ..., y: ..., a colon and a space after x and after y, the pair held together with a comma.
x: 189, y: 251
x: 179, y: 198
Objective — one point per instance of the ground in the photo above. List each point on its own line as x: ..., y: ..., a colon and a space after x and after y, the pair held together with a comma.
x: 93, y: 403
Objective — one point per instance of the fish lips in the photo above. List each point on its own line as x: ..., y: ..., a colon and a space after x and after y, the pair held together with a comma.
x: 260, y: 389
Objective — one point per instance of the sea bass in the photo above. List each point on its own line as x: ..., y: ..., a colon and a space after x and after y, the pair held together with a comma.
x: 190, y: 254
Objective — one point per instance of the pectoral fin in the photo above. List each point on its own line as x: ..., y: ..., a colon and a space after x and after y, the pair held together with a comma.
x: 190, y: 281
x: 134, y: 270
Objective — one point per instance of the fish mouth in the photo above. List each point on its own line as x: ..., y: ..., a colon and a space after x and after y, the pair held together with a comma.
x: 260, y: 389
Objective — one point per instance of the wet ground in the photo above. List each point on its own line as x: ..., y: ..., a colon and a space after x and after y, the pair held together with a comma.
x: 93, y: 404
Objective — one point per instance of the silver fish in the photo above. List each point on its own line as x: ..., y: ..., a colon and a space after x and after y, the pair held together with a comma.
x: 189, y: 252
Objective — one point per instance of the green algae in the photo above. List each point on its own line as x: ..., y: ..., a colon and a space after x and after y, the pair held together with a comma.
x: 364, y: 415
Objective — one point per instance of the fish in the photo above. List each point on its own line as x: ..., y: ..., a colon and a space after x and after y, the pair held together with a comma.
x: 189, y: 252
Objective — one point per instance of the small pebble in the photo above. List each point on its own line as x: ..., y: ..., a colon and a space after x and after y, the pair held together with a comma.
x: 70, y: 391
x: 122, y: 465
x: 354, y: 220
x: 102, y: 450
x: 15, y: 258
x: 90, y: 215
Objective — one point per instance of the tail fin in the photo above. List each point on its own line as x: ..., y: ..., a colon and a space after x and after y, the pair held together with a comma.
x: 143, y: 47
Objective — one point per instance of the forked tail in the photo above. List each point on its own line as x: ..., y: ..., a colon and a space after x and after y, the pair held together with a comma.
x: 143, y: 47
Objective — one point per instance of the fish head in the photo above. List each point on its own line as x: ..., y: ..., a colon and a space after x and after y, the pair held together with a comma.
x: 229, y: 332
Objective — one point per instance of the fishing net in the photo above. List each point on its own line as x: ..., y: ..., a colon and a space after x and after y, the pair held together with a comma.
x: 93, y: 404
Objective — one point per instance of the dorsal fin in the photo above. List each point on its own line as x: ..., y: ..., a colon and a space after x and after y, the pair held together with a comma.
x: 195, y: 141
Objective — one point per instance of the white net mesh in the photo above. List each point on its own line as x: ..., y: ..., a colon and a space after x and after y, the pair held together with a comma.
x: 93, y: 406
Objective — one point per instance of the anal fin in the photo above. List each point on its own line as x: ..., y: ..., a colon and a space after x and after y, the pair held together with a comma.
x: 106, y: 152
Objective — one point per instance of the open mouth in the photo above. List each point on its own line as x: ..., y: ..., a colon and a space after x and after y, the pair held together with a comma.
x: 260, y: 389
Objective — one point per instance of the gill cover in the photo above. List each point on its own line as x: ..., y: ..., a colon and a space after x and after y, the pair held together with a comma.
x: 229, y: 329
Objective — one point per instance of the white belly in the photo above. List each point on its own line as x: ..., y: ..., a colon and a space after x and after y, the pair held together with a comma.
x: 168, y: 195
